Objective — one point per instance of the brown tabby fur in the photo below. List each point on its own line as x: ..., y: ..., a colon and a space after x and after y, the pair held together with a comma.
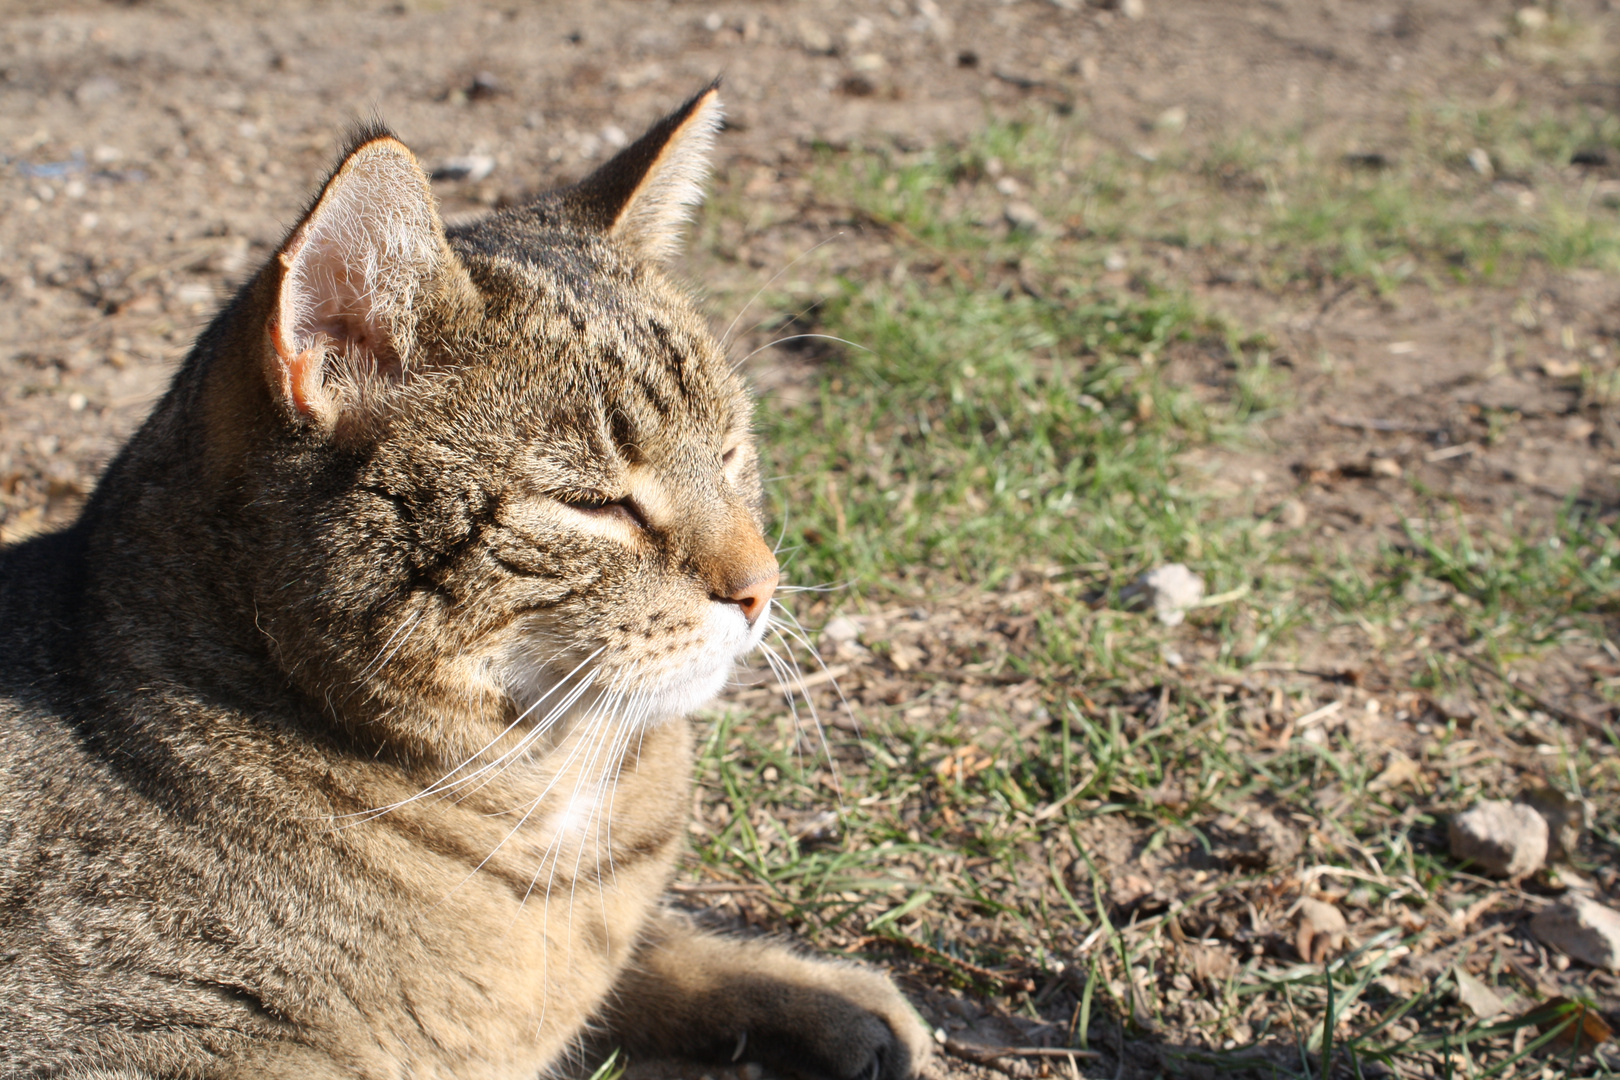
x: 343, y: 734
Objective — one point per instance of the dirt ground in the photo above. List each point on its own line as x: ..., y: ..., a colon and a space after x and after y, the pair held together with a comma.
x: 154, y: 152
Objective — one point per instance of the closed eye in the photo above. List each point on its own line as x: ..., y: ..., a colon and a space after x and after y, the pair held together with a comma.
x: 625, y: 509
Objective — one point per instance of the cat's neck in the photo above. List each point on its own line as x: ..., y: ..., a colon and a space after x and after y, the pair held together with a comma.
x: 162, y: 596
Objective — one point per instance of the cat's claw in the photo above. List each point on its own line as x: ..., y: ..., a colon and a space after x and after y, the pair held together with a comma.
x: 742, y: 1044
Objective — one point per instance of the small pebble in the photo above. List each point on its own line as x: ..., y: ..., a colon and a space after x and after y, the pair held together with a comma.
x: 1567, y: 817
x: 815, y: 38
x: 1531, y: 18
x: 1501, y: 838
x: 96, y: 90
x: 1321, y: 931
x: 1171, y: 590
x: 469, y: 167
x: 841, y: 629
x: 1582, y: 929
x: 1022, y: 215
x: 1172, y: 119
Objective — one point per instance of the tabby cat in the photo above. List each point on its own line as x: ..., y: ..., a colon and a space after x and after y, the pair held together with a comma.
x: 343, y: 735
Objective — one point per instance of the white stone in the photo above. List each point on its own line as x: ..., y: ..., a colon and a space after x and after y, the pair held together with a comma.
x: 1567, y: 819
x: 1502, y: 838
x: 1022, y: 215
x: 841, y: 629
x: 1171, y: 590
x: 1531, y: 18
x: 1581, y: 929
x: 469, y: 167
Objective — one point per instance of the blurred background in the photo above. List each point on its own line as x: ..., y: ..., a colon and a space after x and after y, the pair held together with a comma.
x: 1217, y: 493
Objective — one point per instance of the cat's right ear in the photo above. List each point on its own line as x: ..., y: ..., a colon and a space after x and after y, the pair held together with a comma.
x: 343, y: 329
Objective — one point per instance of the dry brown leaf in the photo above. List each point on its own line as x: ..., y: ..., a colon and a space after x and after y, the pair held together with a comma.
x: 1578, y: 1024
x: 1129, y: 889
x: 1480, y: 999
x: 1399, y: 771
x: 963, y: 763
x: 1322, y: 931
x: 1212, y: 963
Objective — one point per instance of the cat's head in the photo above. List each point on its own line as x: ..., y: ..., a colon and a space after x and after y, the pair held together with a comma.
x: 498, y: 468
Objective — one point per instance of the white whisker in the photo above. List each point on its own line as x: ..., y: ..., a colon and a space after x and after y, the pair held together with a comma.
x: 444, y: 783
x: 801, y: 337
x: 774, y: 277
x: 535, y: 803
x: 815, y: 716
x: 389, y: 649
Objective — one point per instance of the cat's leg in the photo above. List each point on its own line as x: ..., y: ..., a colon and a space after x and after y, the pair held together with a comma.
x: 694, y: 994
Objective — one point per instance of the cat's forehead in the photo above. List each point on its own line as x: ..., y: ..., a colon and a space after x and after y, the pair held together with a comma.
x: 577, y: 330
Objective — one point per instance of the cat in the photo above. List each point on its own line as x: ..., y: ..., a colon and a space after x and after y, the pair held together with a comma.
x: 344, y: 733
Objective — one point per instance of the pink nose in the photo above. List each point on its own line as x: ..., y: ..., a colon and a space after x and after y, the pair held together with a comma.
x: 754, y: 596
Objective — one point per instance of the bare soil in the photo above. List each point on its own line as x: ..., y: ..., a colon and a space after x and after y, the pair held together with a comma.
x: 154, y: 153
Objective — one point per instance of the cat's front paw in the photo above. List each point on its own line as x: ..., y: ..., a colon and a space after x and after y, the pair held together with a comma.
x: 699, y: 995
x: 848, y: 1023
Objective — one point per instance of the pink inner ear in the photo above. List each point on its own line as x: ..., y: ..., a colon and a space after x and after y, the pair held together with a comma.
x: 339, y: 314
x: 352, y: 273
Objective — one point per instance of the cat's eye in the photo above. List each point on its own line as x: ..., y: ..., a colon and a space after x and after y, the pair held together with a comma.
x: 625, y: 509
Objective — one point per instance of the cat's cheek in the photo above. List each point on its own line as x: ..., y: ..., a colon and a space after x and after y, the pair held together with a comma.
x: 725, y: 637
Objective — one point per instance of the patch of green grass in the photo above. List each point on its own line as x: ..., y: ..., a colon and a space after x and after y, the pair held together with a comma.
x: 1520, y: 584
x: 1542, y: 583
x: 1473, y: 193
x: 1001, y: 414
x: 997, y: 434
x: 973, y: 433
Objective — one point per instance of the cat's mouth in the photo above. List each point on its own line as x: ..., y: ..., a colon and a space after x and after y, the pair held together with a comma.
x: 634, y: 683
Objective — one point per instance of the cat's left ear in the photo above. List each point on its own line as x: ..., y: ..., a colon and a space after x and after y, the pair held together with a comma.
x: 644, y: 195
x: 352, y: 272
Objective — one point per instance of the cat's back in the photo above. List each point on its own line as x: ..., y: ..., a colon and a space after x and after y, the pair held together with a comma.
x: 41, y: 582
x: 64, y: 814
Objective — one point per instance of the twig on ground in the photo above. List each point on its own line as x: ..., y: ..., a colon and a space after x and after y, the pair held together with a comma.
x: 1449, y: 452
x: 1316, y: 716
x: 1052, y: 809
x: 999, y: 678
x: 900, y: 232
x: 946, y: 960
x: 987, y: 1055
x: 1541, y: 702
x: 1343, y: 674
x: 712, y: 888
x: 1373, y: 424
